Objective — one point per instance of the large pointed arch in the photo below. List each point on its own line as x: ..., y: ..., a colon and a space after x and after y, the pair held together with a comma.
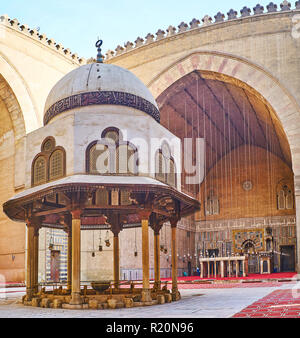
x: 253, y: 75
x: 27, y: 112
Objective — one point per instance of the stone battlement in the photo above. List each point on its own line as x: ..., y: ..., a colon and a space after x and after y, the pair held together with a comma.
x: 171, y: 31
x: 42, y: 38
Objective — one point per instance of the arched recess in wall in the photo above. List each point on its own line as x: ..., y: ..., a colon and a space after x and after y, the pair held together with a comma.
x: 271, y: 91
x: 8, y: 97
x: 12, y: 163
x: 25, y: 101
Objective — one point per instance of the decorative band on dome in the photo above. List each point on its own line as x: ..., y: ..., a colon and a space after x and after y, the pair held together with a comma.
x: 101, y: 97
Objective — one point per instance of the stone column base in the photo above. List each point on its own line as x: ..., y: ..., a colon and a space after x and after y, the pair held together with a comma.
x: 29, y: 295
x: 76, y: 299
x: 157, y: 286
x: 146, y: 295
x: 176, y: 295
x: 75, y: 307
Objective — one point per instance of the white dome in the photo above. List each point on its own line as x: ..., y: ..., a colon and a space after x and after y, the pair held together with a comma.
x: 102, y: 84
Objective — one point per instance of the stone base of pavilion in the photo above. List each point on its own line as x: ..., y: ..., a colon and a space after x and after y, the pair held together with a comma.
x: 114, y: 298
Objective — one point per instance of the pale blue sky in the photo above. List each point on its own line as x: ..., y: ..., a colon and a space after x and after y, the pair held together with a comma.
x: 77, y: 24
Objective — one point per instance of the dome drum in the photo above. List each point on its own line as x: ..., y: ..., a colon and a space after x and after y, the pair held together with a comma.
x: 101, y: 98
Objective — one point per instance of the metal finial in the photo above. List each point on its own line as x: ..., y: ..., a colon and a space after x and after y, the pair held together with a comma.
x: 99, y: 55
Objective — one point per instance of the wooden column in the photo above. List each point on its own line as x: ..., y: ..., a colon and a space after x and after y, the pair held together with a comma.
x: 30, y: 261
x: 201, y: 268
x: 208, y: 269
x: 69, y: 259
x: 76, y: 243
x: 156, y: 225
x: 215, y: 269
x: 116, y: 260
x: 236, y: 268
x: 157, y: 260
x: 175, y: 292
x: 116, y: 226
x: 36, y: 258
x: 66, y: 222
x: 146, y: 294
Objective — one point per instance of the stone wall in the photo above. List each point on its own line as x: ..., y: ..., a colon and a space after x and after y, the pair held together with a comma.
x: 12, y: 235
x: 266, y: 173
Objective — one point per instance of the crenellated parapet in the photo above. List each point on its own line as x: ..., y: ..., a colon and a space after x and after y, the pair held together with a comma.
x: 195, y: 24
x: 42, y: 38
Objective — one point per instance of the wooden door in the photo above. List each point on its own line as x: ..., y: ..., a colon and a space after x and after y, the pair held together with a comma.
x: 287, y: 258
x: 253, y: 264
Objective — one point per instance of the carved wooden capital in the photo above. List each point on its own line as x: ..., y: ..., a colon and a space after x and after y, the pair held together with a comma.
x: 36, y: 230
x: 156, y: 223
x: 66, y: 222
x: 29, y: 222
x: 174, y: 221
x: 116, y: 229
x: 76, y: 214
x: 156, y: 232
x: 157, y: 227
x: 144, y: 214
x: 33, y: 222
x: 116, y: 232
x: 115, y: 223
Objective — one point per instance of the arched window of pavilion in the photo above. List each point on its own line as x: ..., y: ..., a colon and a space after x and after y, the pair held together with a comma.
x: 111, y: 155
x: 56, y: 164
x: 165, y: 168
x: 171, y: 176
x: 98, y: 159
x: 49, y: 164
x: 159, y: 166
x: 39, y: 171
x: 126, y: 159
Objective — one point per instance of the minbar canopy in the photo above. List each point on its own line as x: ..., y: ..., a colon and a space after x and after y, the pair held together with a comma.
x: 52, y: 200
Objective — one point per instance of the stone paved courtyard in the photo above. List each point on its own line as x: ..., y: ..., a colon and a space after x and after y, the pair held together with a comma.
x: 217, y: 302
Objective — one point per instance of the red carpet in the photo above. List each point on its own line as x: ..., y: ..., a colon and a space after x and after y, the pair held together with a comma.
x: 278, y: 304
x: 250, y: 276
x: 226, y: 285
x: 192, y: 286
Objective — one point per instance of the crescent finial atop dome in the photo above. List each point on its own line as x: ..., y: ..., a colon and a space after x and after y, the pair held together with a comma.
x: 99, y: 55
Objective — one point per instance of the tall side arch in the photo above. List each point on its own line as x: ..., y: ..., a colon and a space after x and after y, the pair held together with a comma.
x: 12, y: 142
x: 25, y: 102
x: 270, y: 89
